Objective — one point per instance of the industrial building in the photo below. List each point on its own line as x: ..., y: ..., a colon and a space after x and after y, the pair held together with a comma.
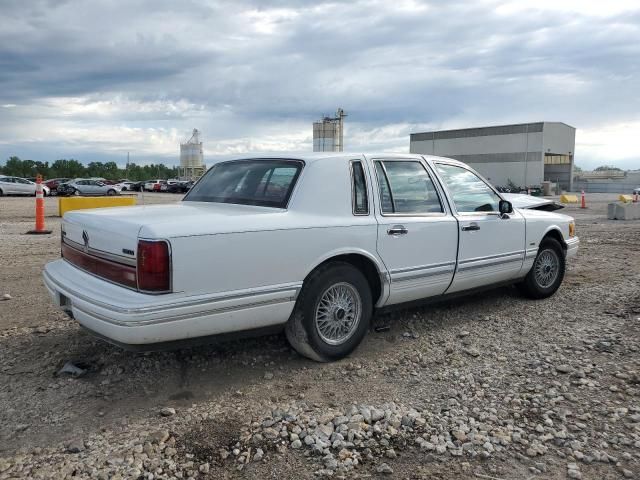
x: 607, y: 181
x: 523, y: 154
x: 191, y: 158
x: 328, y: 133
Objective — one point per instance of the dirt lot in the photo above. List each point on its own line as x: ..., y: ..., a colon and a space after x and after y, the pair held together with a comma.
x: 491, y: 386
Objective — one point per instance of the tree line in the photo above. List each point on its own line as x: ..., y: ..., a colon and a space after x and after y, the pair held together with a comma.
x: 72, y: 168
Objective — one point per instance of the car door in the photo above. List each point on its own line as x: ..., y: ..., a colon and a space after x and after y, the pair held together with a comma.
x: 24, y: 187
x: 417, y: 235
x: 82, y: 186
x: 492, y: 246
x: 7, y: 185
x: 99, y: 188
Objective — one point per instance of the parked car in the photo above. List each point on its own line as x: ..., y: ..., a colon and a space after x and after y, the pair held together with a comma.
x: 636, y: 191
x: 138, y: 186
x: 53, y: 183
x: 81, y: 186
x: 19, y: 186
x: 126, y: 186
x: 153, y: 185
x: 179, y: 187
x: 310, y: 244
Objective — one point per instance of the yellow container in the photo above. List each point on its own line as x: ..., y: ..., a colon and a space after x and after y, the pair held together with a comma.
x: 569, y: 199
x: 66, y: 204
x: 626, y: 198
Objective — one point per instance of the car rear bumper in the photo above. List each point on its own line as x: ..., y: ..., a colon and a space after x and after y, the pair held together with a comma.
x: 572, y: 247
x: 131, y: 318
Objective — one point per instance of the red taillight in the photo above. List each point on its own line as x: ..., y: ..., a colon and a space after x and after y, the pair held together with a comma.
x: 154, y: 266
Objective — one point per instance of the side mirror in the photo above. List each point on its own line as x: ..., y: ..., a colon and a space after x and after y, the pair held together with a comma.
x: 505, y: 207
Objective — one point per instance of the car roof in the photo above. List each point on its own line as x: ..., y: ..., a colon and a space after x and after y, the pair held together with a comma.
x: 317, y: 156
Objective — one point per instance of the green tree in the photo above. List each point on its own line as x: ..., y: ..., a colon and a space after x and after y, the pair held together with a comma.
x: 64, y: 168
x: 71, y: 168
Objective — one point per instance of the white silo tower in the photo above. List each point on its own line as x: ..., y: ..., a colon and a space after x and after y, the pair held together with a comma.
x: 191, y: 157
x: 328, y: 133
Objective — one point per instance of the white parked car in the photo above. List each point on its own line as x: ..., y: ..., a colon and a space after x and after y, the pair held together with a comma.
x: 87, y: 186
x: 125, y: 186
x: 19, y: 186
x: 313, y: 244
x: 154, y: 185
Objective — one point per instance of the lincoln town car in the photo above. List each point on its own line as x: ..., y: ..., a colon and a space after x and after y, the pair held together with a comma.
x: 311, y: 244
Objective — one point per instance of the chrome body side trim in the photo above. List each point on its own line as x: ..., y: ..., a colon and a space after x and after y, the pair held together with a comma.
x: 182, y: 303
x: 183, y: 316
x: 415, y: 273
x: 491, y: 260
x: 100, y: 253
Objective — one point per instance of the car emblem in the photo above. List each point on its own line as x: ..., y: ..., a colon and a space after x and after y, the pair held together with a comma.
x: 85, y: 238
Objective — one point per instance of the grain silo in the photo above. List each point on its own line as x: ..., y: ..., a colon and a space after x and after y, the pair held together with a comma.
x: 191, y: 157
x: 328, y: 133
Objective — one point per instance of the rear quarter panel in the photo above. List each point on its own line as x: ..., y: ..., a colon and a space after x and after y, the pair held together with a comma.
x: 318, y: 225
x: 240, y: 261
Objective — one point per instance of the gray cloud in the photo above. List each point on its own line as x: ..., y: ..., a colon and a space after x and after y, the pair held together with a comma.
x: 93, y: 80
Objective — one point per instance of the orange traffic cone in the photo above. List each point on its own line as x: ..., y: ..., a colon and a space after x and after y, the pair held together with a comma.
x: 584, y: 203
x: 40, y: 229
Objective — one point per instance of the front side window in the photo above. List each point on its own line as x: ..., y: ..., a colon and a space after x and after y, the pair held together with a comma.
x: 360, y: 198
x: 468, y: 191
x: 406, y: 188
x: 266, y: 183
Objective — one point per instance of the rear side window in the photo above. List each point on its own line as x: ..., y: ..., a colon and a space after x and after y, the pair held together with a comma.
x: 266, y: 183
x: 360, y: 198
x: 406, y: 188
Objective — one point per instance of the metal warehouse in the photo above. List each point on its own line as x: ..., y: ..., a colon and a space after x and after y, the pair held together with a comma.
x: 523, y: 154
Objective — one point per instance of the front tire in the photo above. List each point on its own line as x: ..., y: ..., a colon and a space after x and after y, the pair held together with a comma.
x: 111, y: 192
x: 332, y: 313
x: 547, y: 272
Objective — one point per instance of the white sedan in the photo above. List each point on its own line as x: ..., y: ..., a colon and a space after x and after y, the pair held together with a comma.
x: 88, y: 186
x: 19, y: 186
x: 312, y: 244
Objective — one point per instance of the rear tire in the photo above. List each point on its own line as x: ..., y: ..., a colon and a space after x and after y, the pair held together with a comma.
x: 332, y: 313
x: 1, y: 193
x: 547, y: 272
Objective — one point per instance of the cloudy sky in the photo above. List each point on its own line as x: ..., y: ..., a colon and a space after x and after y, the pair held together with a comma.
x: 93, y: 80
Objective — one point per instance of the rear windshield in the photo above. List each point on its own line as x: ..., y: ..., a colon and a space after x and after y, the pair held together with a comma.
x: 267, y: 183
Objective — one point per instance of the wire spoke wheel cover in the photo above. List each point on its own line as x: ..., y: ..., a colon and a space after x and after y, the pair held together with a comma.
x: 338, y: 313
x: 546, y: 268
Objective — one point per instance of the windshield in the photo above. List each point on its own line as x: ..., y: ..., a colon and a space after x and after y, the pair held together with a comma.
x: 266, y: 183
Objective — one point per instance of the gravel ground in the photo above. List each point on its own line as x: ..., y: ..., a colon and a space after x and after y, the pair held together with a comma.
x: 491, y: 386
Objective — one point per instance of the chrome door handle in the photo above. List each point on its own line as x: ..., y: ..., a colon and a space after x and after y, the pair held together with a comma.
x: 472, y: 227
x: 397, y: 230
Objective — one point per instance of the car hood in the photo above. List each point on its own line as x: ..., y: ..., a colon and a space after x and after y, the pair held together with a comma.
x: 520, y: 200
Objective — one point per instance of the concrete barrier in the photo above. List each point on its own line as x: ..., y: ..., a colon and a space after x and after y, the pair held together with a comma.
x: 623, y: 211
x: 66, y: 204
x: 568, y: 199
